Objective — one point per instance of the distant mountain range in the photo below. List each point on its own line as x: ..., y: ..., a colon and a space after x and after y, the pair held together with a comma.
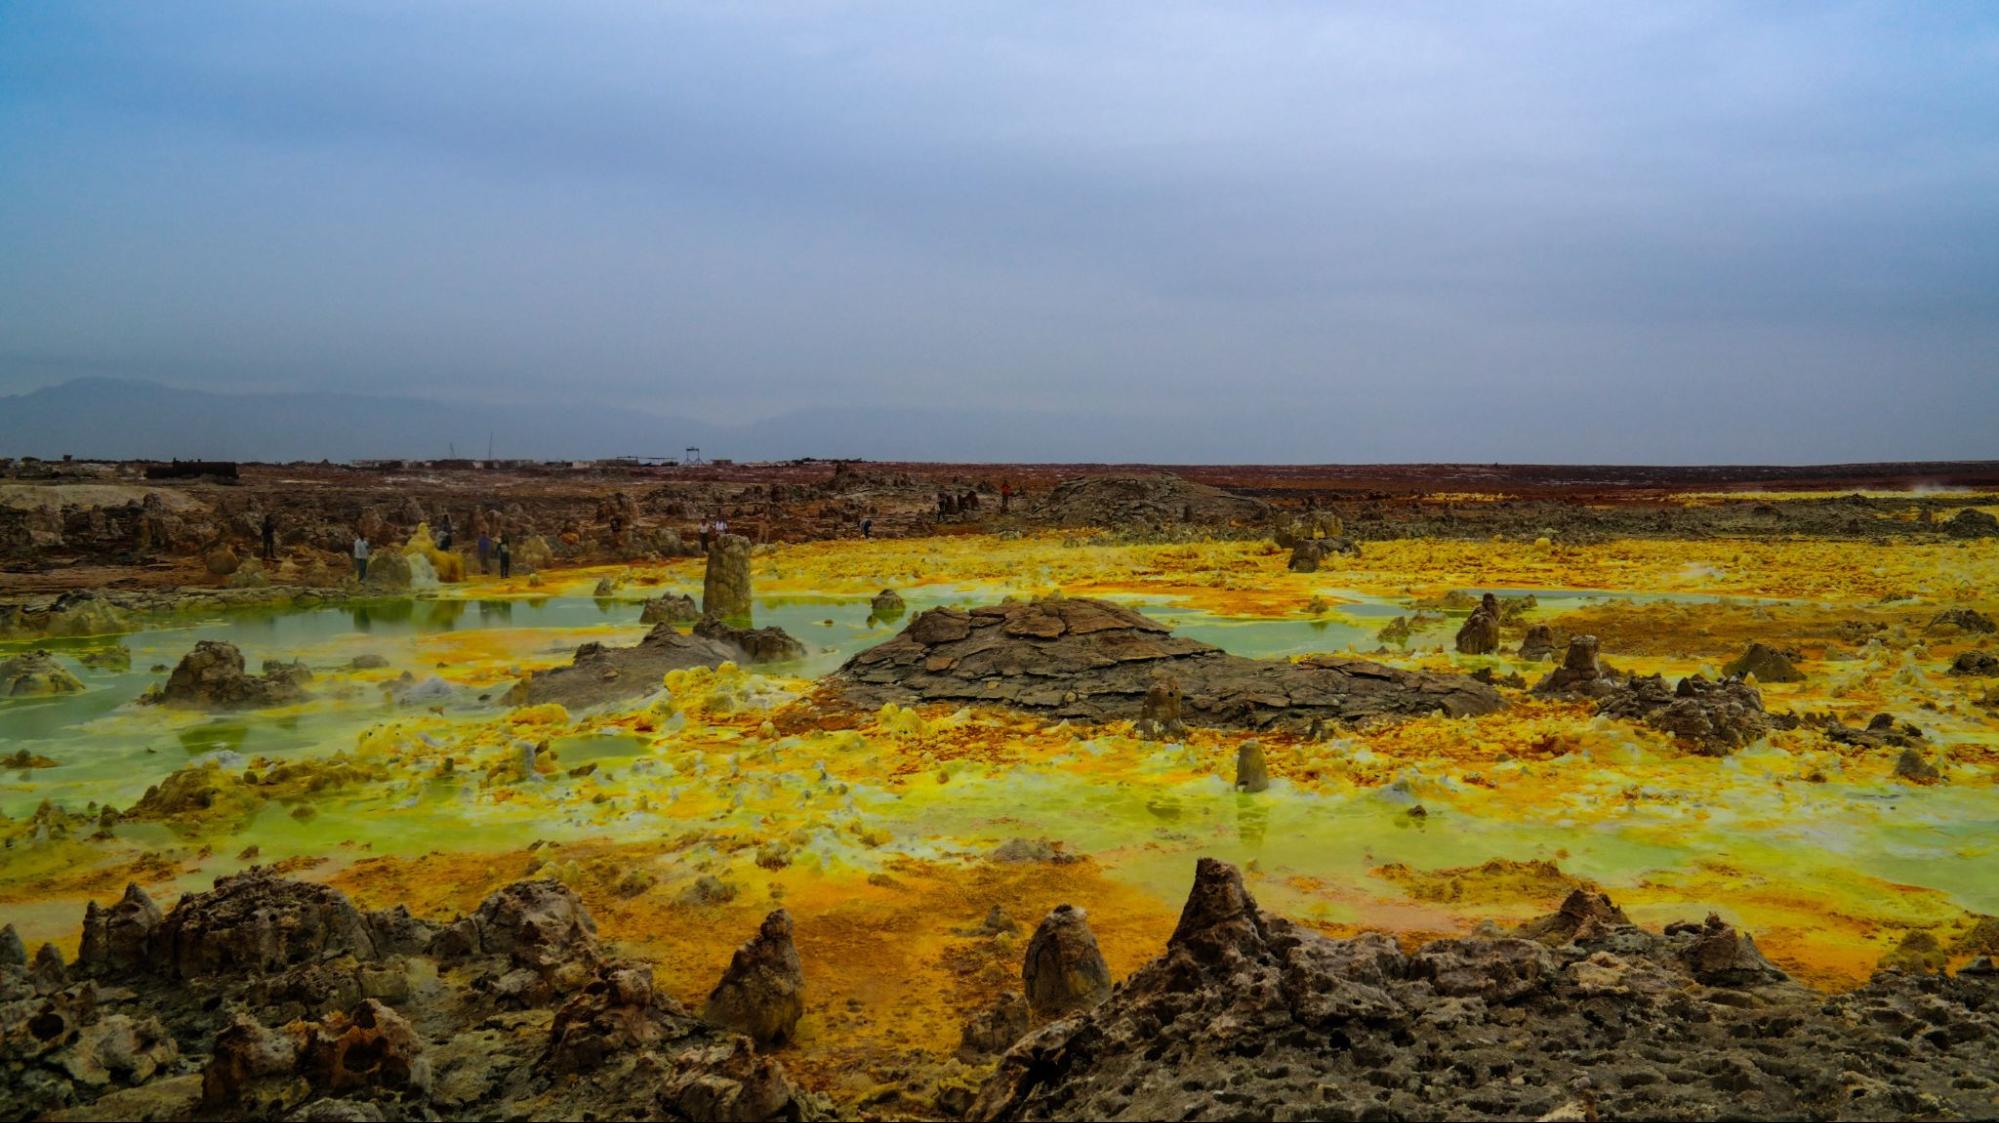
x: 124, y: 419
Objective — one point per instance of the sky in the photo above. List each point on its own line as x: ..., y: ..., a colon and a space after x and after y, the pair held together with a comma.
x: 1313, y: 232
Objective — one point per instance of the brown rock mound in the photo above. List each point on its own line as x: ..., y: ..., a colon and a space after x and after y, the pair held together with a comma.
x: 1095, y: 661
x: 212, y: 676
x: 1765, y: 662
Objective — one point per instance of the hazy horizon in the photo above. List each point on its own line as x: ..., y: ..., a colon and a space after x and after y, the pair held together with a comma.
x: 1165, y: 233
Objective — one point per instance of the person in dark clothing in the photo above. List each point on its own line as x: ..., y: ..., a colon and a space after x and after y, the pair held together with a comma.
x: 1006, y: 496
x: 506, y: 559
x: 485, y: 553
x: 444, y: 533
x: 867, y: 528
x: 270, y: 537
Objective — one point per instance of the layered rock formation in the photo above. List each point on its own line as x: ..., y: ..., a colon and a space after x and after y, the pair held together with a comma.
x: 1248, y: 1016
x: 1092, y: 660
x: 599, y: 674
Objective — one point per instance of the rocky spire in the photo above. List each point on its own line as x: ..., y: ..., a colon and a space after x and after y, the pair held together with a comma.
x: 1063, y: 971
x: 762, y: 994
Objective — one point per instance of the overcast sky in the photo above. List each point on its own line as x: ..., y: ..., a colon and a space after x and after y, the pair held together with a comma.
x: 1532, y: 232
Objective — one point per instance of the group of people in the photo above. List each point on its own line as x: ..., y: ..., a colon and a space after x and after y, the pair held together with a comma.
x: 489, y: 552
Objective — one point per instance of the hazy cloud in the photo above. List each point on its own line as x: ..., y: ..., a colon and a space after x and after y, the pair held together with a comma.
x: 1338, y: 232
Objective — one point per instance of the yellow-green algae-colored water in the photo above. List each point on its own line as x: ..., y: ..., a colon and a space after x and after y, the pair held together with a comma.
x: 874, y: 829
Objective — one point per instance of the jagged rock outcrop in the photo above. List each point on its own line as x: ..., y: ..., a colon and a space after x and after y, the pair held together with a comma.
x: 725, y: 586
x: 1766, y: 663
x: 1096, y: 661
x: 1715, y: 718
x: 212, y: 676
x: 1063, y: 970
x: 762, y: 994
x: 1480, y: 633
x: 1248, y: 1016
x: 117, y: 938
x: 760, y: 645
x: 36, y: 674
x: 539, y: 929
x: 670, y: 608
x: 259, y: 923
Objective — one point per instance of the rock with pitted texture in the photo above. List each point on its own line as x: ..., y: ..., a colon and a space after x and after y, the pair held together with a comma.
x: 762, y: 993
x: 115, y: 939
x: 1713, y: 718
x: 1096, y: 661
x: 1248, y: 1016
x: 258, y: 923
x: 725, y: 587
x: 1063, y: 971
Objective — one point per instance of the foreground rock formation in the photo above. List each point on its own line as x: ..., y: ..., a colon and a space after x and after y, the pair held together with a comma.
x: 1248, y: 1016
x: 267, y: 998
x: 1092, y: 660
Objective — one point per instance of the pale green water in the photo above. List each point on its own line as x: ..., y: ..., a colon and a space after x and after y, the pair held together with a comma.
x: 110, y: 750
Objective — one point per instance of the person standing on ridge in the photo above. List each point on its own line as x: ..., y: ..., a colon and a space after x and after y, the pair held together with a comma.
x: 270, y: 536
x: 485, y: 552
x: 506, y: 559
x: 360, y: 557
